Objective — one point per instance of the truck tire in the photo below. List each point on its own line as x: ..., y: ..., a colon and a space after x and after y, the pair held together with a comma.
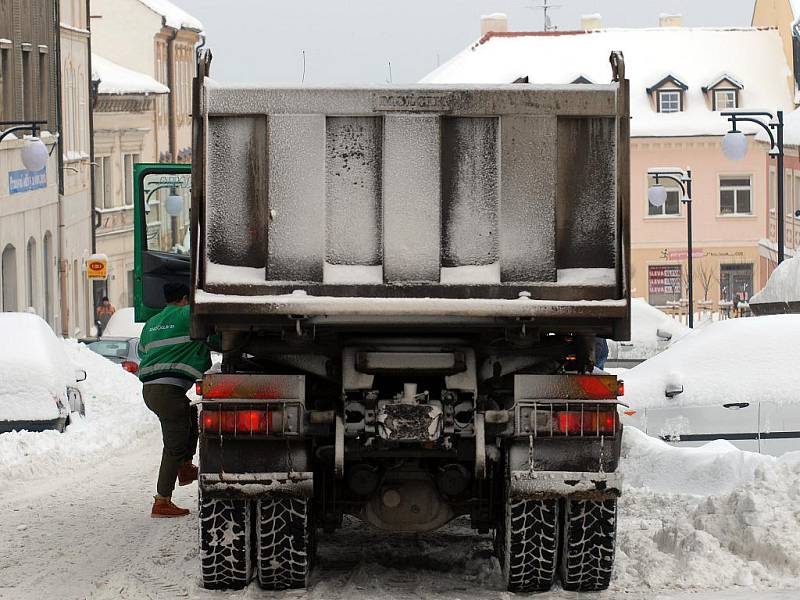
x: 285, y: 543
x: 587, y: 554
x: 527, y: 544
x: 225, y: 543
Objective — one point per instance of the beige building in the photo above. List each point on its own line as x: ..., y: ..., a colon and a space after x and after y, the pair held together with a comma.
x: 681, y: 79
x: 28, y: 202
x: 125, y: 123
x: 156, y: 38
x: 75, y: 205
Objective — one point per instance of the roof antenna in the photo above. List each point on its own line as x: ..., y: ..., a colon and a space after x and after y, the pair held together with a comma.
x: 303, y: 77
x: 546, y: 7
x: 390, y: 71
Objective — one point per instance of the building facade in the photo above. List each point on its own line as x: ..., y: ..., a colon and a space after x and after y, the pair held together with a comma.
x: 76, y: 243
x: 681, y: 79
x: 125, y: 134
x: 29, y: 202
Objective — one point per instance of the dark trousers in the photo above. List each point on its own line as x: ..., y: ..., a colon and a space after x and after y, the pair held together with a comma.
x: 178, y: 430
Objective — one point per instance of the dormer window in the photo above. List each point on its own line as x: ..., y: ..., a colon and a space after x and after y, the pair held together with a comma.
x: 668, y: 94
x: 724, y: 92
x: 582, y: 79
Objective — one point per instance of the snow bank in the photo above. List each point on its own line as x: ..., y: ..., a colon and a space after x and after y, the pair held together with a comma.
x: 115, y: 417
x: 706, y: 518
x: 736, y: 355
x: 123, y: 324
x: 34, y: 371
x: 645, y: 342
x: 783, y: 285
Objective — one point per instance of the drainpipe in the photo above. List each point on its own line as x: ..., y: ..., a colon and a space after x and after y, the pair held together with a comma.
x: 173, y: 123
x: 92, y: 101
x: 62, y: 263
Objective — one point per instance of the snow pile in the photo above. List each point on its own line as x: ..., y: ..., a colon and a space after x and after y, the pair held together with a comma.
x: 735, y: 357
x: 646, y: 323
x: 34, y: 371
x: 706, y: 518
x: 174, y: 17
x: 115, y: 417
x: 123, y: 324
x: 116, y: 79
x: 649, y: 55
x: 783, y: 285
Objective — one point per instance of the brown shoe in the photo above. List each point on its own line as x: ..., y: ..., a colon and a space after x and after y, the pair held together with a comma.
x: 187, y: 473
x: 164, y: 508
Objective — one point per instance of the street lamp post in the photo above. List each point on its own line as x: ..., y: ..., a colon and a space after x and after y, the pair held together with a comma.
x: 657, y: 195
x: 734, y: 146
x: 34, y: 152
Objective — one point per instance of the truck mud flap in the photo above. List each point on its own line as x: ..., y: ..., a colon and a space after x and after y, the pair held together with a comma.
x: 258, y: 485
x: 526, y: 485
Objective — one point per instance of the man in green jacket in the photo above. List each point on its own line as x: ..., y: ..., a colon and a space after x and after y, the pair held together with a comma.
x: 170, y: 364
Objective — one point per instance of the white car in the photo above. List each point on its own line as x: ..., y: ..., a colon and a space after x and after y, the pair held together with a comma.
x: 37, y: 379
x: 733, y: 380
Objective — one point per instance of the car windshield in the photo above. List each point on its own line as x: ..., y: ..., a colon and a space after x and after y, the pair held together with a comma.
x: 111, y: 348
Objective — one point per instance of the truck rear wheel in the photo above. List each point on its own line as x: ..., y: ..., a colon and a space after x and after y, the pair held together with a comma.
x: 587, y: 556
x: 527, y: 544
x: 225, y: 543
x: 285, y: 542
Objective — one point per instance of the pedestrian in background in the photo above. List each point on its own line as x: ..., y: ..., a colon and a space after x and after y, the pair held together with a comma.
x: 103, y: 314
x: 170, y: 364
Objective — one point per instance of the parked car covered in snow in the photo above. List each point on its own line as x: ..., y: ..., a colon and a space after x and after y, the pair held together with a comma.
x: 122, y: 324
x: 37, y: 380
x: 733, y: 380
x: 652, y: 332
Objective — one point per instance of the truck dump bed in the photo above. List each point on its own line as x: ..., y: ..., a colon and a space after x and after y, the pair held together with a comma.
x: 442, y: 203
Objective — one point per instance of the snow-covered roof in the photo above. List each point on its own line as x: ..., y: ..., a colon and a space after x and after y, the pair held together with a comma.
x: 724, y: 77
x: 791, y: 129
x: 174, y: 17
x: 116, y: 79
x: 696, y: 55
x: 668, y: 77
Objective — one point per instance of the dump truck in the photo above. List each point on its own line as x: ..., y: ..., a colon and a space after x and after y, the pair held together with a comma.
x: 407, y: 284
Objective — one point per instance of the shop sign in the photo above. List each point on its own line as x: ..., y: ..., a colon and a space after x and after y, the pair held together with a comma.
x: 97, y: 267
x: 26, y: 181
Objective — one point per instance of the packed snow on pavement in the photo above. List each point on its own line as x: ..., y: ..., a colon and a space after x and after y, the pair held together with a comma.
x: 76, y: 509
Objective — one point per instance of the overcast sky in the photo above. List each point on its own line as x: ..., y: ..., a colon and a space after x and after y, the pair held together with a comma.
x: 353, y: 41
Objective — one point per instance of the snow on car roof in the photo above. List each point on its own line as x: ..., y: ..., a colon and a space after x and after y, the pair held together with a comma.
x: 736, y: 360
x: 783, y: 285
x: 553, y: 58
x: 122, y: 324
x: 33, y: 368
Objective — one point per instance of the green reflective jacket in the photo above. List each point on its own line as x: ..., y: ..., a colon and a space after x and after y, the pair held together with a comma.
x: 166, y: 350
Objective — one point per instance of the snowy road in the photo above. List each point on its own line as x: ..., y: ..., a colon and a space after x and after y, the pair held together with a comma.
x: 49, y: 551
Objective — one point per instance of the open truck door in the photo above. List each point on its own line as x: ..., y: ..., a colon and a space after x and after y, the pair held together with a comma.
x: 162, y: 240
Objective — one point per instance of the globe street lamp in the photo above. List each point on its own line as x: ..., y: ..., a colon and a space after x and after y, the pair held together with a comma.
x: 734, y: 146
x: 657, y: 196
x: 34, y: 152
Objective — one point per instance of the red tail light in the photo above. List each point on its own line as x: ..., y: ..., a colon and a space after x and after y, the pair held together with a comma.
x: 620, y: 388
x: 198, y: 388
x: 575, y: 422
x: 130, y: 366
x: 237, y: 421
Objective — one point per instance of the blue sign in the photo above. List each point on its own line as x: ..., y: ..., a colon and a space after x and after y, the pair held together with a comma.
x: 25, y: 181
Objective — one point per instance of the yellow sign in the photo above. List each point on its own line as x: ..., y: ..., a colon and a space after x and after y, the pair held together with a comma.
x: 97, y: 267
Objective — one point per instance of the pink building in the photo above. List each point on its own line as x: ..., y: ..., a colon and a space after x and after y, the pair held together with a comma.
x: 681, y: 78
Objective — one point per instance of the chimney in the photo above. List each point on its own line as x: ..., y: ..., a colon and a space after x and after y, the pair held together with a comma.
x: 493, y: 22
x: 665, y: 20
x: 590, y: 22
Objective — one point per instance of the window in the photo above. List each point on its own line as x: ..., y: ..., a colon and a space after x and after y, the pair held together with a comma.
x: 669, y: 101
x: 773, y: 190
x: 6, y: 93
x: 128, y: 161
x: 8, y: 275
x: 664, y: 284
x: 736, y: 281
x: 672, y: 207
x: 787, y: 193
x: 725, y: 99
x: 44, y: 85
x: 103, y: 182
x: 30, y: 274
x: 27, y: 85
x: 47, y: 258
x: 796, y: 206
x: 735, y: 195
